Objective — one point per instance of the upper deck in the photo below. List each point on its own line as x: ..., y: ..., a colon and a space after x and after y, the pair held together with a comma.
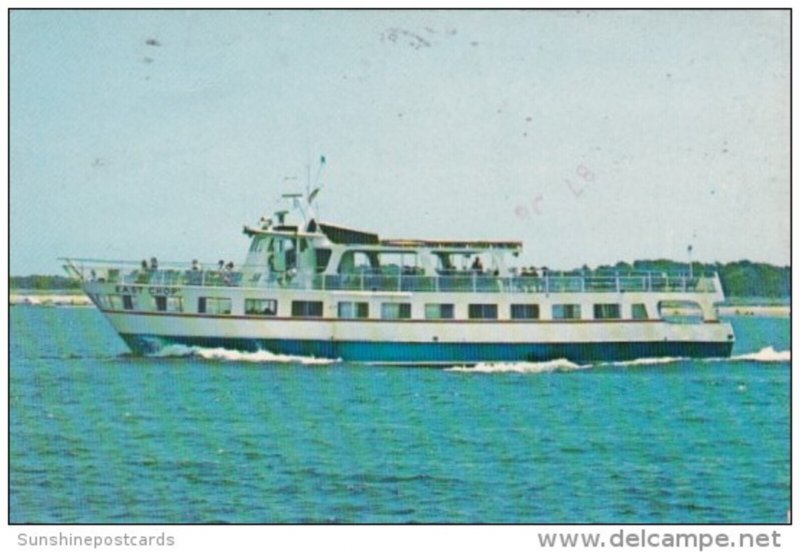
x: 392, y: 279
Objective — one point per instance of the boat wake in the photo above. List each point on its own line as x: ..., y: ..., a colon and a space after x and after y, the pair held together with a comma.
x: 649, y: 361
x: 767, y: 354
x: 229, y: 355
x: 559, y: 365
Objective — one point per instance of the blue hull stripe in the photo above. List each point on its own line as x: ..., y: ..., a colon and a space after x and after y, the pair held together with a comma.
x: 442, y: 353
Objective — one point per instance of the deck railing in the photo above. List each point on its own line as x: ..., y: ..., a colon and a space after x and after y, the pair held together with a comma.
x: 176, y: 274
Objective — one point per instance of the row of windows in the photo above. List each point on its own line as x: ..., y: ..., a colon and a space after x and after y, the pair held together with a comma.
x: 389, y: 311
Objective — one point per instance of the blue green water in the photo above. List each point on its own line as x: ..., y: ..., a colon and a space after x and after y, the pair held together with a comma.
x: 98, y: 436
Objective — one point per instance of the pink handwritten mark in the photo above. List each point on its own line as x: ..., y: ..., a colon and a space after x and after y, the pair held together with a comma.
x: 523, y: 212
x: 585, y: 174
x: 576, y: 193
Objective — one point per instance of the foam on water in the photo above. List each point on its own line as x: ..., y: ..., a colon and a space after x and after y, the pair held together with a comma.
x: 559, y: 365
x: 237, y: 356
x: 648, y: 361
x: 767, y: 354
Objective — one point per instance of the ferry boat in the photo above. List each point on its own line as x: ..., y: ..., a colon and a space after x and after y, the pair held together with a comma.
x: 316, y: 289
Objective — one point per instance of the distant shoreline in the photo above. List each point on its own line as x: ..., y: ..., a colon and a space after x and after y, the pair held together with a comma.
x: 69, y: 298
x: 50, y: 299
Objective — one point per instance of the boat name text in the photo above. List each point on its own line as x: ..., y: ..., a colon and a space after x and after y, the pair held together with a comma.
x: 155, y: 291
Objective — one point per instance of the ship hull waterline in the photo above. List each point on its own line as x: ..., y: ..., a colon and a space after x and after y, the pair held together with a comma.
x: 439, y: 354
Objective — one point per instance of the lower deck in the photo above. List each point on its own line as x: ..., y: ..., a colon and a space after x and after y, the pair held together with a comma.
x: 417, y: 328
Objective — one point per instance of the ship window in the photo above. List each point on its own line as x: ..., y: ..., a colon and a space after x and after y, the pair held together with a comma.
x: 127, y: 302
x: 214, y: 305
x: 358, y: 261
x: 323, y: 257
x: 680, y: 312
x: 639, y: 311
x: 258, y: 244
x: 102, y: 301
x: 524, y: 312
x: 169, y: 304
x: 263, y: 307
x: 393, y: 263
x: 396, y: 311
x: 483, y: 311
x: 607, y: 311
x: 566, y: 312
x: 348, y: 309
x: 438, y: 311
x: 115, y: 302
x: 307, y: 308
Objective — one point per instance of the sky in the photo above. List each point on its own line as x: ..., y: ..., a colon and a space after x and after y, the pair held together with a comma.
x: 591, y: 136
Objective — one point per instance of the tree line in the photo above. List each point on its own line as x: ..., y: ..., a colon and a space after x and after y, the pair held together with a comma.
x: 739, y: 279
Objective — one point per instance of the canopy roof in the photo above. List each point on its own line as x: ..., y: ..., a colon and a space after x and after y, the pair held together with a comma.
x: 348, y: 236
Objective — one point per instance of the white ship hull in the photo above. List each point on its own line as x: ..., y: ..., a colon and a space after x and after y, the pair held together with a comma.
x: 414, y: 340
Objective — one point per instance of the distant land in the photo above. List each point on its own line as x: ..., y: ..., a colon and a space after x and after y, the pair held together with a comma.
x: 740, y: 280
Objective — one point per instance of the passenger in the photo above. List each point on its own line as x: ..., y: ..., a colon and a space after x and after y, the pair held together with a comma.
x: 220, y: 265
x: 153, y: 263
x: 144, y: 275
x: 477, y: 266
x: 196, y: 266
